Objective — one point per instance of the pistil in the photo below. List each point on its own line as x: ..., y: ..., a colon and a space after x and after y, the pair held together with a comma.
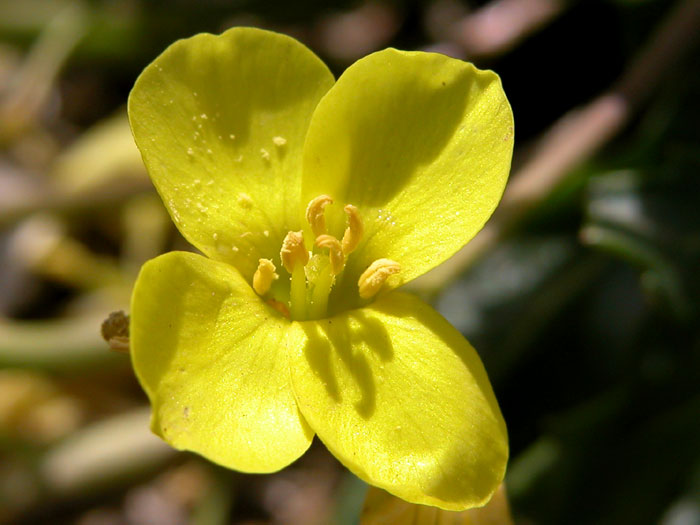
x: 335, y: 252
x: 321, y: 291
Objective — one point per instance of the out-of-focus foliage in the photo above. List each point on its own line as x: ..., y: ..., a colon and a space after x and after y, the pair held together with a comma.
x: 585, y: 308
x: 589, y: 323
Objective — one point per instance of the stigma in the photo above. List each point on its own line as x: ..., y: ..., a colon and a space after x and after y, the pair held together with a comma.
x: 314, y: 267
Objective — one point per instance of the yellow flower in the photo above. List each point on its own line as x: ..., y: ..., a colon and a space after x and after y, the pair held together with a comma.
x: 312, y: 200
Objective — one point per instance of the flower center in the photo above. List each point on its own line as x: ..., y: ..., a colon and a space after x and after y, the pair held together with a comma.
x: 313, y: 273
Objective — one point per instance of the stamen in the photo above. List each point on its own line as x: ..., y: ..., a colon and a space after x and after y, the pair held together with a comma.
x: 354, y: 231
x: 375, y: 276
x: 264, y: 275
x: 335, y: 252
x: 293, y: 251
x: 315, y: 214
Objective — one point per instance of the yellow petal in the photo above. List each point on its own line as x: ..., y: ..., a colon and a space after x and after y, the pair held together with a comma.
x: 421, y: 144
x: 220, y: 122
x: 212, y: 358
x: 403, y: 401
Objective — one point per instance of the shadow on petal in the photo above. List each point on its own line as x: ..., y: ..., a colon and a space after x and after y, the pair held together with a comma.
x: 350, y: 341
x: 404, y: 309
x: 405, y: 154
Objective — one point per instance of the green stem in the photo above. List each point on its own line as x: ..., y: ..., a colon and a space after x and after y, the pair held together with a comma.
x: 61, y: 344
x: 297, y: 293
x: 322, y: 289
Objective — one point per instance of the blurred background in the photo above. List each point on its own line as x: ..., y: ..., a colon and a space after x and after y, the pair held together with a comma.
x: 581, y: 295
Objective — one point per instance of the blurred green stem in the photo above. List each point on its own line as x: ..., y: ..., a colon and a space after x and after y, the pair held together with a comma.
x: 501, y: 25
x: 28, y: 94
x: 103, y: 454
x: 49, y: 198
x: 642, y: 254
x: 54, y: 345
x: 215, y: 507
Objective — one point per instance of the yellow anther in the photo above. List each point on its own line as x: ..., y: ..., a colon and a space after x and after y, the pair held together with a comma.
x: 335, y: 252
x: 315, y: 214
x: 264, y: 275
x: 293, y: 251
x: 375, y: 276
x: 353, y: 233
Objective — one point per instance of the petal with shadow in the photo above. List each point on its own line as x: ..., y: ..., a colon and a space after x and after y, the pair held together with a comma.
x: 212, y: 358
x: 403, y: 400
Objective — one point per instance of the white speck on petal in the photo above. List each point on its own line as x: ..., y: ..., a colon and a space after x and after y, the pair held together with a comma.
x: 203, y: 116
x: 265, y: 154
x: 245, y: 201
x: 279, y: 141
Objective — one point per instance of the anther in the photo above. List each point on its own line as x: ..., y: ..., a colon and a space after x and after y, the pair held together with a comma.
x: 264, y: 275
x: 315, y: 214
x: 353, y: 233
x: 293, y: 251
x: 335, y: 252
x: 375, y: 276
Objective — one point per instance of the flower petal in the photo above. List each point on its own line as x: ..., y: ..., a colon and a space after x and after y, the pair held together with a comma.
x: 212, y: 358
x: 421, y: 143
x: 403, y: 401
x: 220, y: 122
